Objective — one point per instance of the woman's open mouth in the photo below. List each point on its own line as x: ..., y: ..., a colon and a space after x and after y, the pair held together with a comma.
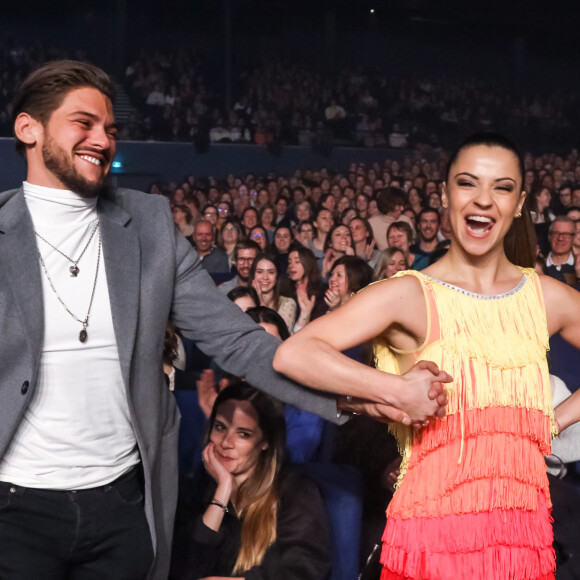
x: 479, y: 225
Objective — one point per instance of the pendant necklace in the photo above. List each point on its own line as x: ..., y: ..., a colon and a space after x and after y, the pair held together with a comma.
x: 83, y: 335
x: 74, y: 269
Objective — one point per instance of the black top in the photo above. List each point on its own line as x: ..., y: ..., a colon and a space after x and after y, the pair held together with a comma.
x: 301, y: 549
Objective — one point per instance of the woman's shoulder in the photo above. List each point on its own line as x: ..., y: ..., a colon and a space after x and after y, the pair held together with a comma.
x: 286, y: 301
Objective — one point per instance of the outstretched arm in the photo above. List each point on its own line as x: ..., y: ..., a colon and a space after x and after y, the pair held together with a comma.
x: 313, y: 356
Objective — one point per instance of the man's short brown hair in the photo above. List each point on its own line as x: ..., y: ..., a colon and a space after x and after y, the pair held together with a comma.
x: 44, y: 89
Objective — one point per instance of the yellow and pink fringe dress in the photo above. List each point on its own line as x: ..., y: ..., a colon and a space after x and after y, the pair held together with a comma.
x: 472, y: 501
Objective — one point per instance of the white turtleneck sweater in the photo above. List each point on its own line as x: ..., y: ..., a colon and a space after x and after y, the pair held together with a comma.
x: 76, y: 432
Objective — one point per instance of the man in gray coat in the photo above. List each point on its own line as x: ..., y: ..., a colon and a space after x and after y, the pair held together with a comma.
x: 89, y: 278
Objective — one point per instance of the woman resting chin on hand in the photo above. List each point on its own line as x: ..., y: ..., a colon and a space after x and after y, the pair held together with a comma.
x: 242, y: 515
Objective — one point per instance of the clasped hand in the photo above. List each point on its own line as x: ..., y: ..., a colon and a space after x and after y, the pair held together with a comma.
x: 421, y: 396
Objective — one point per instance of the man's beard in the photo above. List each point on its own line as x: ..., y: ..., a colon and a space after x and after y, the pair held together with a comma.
x: 56, y: 161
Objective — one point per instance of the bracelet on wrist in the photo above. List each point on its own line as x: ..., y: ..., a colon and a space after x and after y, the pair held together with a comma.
x: 221, y: 505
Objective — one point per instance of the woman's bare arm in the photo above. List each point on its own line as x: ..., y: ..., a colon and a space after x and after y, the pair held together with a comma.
x: 563, y: 314
x: 313, y: 356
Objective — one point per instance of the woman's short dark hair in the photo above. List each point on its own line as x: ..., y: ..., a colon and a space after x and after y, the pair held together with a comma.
x: 43, y: 90
x: 389, y: 198
x: 241, y: 292
x: 251, y: 209
x: 269, y: 316
x: 283, y: 226
x: 402, y: 227
x: 358, y: 273
x: 520, y: 241
x: 328, y: 240
x: 303, y: 223
x: 190, y: 198
x: 184, y: 209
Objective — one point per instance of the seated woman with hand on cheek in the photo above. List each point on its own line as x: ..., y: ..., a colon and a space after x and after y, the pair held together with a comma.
x: 242, y: 515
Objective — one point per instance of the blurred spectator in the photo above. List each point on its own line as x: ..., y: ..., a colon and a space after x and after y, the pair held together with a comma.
x: 244, y: 255
x: 391, y: 203
x: 264, y: 278
x: 560, y: 260
x: 389, y: 262
x: 213, y: 259
x: 427, y: 228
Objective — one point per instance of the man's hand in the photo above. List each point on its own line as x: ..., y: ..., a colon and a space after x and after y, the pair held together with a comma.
x: 423, y: 396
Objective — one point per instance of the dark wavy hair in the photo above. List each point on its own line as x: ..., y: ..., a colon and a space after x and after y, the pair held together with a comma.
x: 358, y: 273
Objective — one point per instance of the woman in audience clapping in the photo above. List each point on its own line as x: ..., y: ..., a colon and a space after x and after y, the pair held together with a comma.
x: 307, y: 285
x: 338, y: 243
x: 264, y: 279
x: 348, y: 275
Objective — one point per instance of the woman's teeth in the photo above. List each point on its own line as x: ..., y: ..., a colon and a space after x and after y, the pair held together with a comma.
x: 479, y: 223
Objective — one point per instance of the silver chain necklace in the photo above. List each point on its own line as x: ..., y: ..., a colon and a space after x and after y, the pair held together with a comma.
x: 74, y: 269
x: 83, y: 335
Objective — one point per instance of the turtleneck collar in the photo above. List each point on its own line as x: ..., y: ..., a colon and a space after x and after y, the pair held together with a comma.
x: 58, y: 207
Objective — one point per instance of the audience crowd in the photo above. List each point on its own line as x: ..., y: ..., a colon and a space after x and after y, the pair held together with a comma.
x: 299, y: 246
x: 288, y: 249
x: 279, y: 103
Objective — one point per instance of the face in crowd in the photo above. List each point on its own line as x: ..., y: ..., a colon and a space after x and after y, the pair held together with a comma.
x: 237, y: 438
x: 244, y: 261
x: 265, y: 276
x: 282, y: 240
x: 561, y: 237
x: 428, y: 225
x: 204, y: 237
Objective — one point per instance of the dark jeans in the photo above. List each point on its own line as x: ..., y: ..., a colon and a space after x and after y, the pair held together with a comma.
x: 94, y: 534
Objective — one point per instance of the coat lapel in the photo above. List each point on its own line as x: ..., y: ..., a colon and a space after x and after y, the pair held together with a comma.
x: 121, y: 251
x: 20, y: 268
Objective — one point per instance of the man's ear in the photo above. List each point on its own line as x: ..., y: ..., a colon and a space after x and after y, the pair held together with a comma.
x: 27, y: 129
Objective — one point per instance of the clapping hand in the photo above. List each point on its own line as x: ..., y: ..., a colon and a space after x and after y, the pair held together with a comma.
x: 327, y: 262
x: 369, y: 250
x: 305, y: 302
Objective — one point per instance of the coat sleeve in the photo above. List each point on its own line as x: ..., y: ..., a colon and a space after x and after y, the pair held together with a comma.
x: 221, y: 330
x: 301, y: 549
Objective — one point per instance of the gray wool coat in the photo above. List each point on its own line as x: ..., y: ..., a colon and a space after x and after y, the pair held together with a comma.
x: 153, y: 276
